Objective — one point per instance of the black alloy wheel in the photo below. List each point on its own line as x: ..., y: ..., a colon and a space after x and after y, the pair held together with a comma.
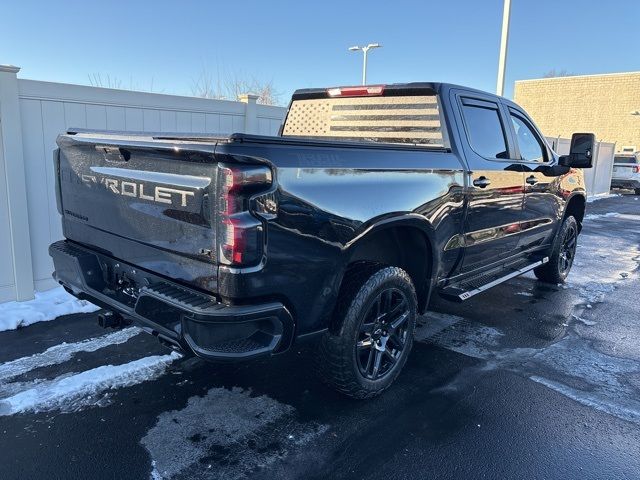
x: 562, y: 253
x: 383, y: 334
x: 368, y: 345
x: 568, y: 249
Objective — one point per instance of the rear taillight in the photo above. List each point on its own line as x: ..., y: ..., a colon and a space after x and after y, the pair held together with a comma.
x: 240, y: 234
x: 363, y: 91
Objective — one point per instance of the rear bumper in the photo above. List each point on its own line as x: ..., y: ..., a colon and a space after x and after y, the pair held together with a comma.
x: 620, y: 183
x: 187, y: 319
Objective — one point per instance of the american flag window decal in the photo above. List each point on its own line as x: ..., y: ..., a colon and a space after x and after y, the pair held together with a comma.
x: 405, y: 119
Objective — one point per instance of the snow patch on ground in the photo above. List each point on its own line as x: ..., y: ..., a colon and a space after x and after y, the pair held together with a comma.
x: 593, y: 400
x: 225, y: 434
x: 44, y: 307
x: 595, y: 216
x: 573, y: 365
x: 584, y: 321
x: 601, y: 262
x: 459, y: 335
x: 595, y: 292
x: 63, y: 352
x: 595, y: 198
x: 588, y: 376
x: 69, y: 393
x: 155, y: 474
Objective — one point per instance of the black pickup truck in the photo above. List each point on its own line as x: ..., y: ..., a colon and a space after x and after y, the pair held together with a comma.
x: 340, y: 228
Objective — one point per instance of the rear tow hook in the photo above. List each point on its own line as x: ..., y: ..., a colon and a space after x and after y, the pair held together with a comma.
x: 110, y: 319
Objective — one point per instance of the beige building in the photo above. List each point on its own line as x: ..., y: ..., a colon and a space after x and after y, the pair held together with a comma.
x: 602, y: 104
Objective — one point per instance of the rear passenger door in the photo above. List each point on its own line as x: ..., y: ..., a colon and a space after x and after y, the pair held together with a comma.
x: 495, y: 184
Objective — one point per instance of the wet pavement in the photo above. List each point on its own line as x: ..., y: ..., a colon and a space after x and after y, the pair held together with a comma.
x: 525, y: 381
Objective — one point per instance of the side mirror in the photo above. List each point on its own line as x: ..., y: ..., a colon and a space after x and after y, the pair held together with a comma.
x: 581, y: 151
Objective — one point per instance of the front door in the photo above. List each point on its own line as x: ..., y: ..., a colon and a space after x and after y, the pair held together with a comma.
x: 495, y: 184
x: 543, y: 198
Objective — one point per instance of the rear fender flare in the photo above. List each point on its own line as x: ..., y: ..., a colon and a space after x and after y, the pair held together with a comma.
x: 411, y: 221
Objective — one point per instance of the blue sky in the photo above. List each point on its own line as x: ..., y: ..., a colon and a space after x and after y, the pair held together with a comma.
x: 304, y: 44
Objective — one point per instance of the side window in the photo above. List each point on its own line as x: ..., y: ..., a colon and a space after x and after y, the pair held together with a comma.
x: 530, y: 147
x: 484, y: 128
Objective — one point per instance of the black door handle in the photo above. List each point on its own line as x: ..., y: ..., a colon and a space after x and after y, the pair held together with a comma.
x: 481, y: 182
x: 532, y: 180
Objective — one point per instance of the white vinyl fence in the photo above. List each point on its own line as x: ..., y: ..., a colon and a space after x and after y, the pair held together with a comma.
x: 598, y: 178
x: 33, y: 113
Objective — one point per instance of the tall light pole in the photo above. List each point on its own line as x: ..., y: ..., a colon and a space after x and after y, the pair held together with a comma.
x: 504, y: 40
x: 365, y: 50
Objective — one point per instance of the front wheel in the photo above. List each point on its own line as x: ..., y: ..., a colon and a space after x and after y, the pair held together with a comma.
x: 637, y: 191
x: 562, y: 254
x: 376, y: 318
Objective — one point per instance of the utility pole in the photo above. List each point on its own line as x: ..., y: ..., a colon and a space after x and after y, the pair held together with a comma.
x: 365, y: 50
x: 504, y: 40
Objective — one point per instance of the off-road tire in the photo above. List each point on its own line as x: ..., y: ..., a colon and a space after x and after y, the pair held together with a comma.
x: 336, y: 359
x: 552, y: 271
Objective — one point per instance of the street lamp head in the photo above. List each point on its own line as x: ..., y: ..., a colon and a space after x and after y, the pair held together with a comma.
x: 365, y: 51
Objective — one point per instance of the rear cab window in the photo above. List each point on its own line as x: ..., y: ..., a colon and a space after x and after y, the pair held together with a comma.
x: 620, y: 160
x: 485, y: 131
x: 395, y: 119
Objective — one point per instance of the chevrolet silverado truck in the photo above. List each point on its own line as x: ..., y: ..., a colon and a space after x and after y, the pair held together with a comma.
x: 369, y: 200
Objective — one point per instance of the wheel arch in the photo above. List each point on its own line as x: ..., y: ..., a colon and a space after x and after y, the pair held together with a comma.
x: 576, y: 207
x: 405, y: 242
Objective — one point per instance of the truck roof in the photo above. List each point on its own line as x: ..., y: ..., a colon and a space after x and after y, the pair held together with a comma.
x: 393, y: 89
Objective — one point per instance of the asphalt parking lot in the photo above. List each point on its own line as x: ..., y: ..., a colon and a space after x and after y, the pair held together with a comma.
x: 526, y: 381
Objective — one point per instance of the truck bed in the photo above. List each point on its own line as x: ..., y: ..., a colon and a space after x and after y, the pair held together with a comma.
x: 149, y: 198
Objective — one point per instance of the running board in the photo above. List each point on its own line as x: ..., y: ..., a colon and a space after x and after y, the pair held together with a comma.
x: 467, y: 288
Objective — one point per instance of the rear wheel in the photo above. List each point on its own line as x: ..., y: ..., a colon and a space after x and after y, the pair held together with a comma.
x: 376, y: 316
x: 562, y: 254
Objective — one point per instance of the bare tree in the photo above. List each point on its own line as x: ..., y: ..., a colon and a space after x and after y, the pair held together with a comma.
x: 557, y: 73
x: 107, y: 81
x: 236, y: 85
x: 97, y: 80
x: 232, y: 85
x: 206, y: 87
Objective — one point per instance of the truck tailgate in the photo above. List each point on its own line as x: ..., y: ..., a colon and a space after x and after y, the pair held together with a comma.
x: 142, y: 199
x: 625, y: 172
